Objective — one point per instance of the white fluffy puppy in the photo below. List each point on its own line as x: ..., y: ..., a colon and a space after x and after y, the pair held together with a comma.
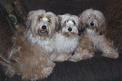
x: 66, y: 39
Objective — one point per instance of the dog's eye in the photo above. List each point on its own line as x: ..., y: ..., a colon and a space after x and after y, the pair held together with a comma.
x: 73, y: 22
x: 95, y: 17
x: 40, y: 18
x: 67, y: 20
x: 48, y: 20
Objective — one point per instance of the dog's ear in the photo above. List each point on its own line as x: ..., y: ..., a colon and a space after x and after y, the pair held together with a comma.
x: 29, y: 19
x: 102, y: 29
x: 27, y: 24
x: 59, y: 23
x: 81, y: 28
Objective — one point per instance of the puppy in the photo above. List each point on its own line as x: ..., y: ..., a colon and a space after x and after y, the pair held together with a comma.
x: 29, y: 56
x: 66, y: 39
x: 94, y: 37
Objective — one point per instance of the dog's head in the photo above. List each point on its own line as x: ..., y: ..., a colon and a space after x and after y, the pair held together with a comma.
x: 42, y: 23
x: 69, y: 25
x: 93, y: 19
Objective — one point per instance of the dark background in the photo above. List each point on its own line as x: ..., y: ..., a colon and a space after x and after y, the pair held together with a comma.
x: 95, y: 69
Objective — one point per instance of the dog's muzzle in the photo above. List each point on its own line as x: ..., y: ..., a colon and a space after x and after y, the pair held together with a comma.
x: 91, y: 24
x: 69, y: 29
x: 43, y: 27
x: 43, y: 30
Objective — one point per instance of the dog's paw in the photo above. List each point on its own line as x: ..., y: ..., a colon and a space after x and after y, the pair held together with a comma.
x: 81, y: 56
x: 63, y: 57
x: 113, y: 55
x: 59, y: 57
x: 75, y: 58
x: 47, y: 71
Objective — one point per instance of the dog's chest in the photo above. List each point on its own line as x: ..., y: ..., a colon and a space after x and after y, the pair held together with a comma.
x: 64, y: 44
x: 93, y: 36
x: 46, y: 43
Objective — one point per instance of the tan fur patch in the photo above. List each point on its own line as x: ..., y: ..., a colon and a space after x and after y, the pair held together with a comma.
x: 84, y: 50
x: 28, y: 59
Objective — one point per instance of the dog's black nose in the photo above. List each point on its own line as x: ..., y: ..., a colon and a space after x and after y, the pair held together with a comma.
x: 92, y: 24
x: 70, y: 29
x: 43, y: 27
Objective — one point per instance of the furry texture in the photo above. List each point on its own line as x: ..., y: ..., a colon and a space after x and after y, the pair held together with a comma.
x: 29, y: 56
x: 66, y: 39
x: 94, y: 37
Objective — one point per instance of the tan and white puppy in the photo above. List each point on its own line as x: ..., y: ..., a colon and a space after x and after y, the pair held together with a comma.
x: 29, y: 56
x: 42, y: 28
x: 94, y: 37
x: 66, y: 39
